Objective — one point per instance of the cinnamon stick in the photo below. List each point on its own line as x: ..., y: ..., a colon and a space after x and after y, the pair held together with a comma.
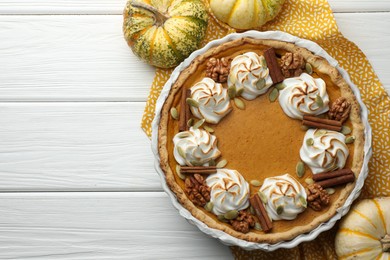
x: 337, y: 181
x: 273, y: 65
x: 322, y: 120
x: 330, y: 175
x: 319, y: 125
x: 261, y: 213
x: 184, y: 110
x: 198, y: 169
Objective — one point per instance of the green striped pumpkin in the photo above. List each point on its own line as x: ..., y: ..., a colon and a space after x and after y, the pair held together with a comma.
x: 163, y: 33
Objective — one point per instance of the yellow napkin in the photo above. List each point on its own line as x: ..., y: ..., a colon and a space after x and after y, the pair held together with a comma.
x: 313, y: 20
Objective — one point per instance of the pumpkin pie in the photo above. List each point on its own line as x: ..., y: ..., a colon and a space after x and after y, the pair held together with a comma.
x: 261, y: 139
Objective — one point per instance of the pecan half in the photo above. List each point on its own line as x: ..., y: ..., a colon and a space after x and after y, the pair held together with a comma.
x: 292, y: 64
x: 340, y: 109
x: 197, y: 190
x: 317, y: 197
x: 218, y: 69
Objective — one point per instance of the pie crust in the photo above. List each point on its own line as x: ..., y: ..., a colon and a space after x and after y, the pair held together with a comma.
x: 320, y: 66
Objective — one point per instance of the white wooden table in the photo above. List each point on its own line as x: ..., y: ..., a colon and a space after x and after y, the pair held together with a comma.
x: 76, y: 171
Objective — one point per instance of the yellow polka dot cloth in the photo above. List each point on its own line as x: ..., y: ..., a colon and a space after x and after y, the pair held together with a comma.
x: 314, y: 20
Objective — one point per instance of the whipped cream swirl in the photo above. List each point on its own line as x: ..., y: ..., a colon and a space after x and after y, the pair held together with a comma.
x: 213, y: 99
x: 324, y: 150
x: 301, y: 95
x: 229, y: 191
x: 195, y: 147
x: 250, y: 75
x: 286, y: 197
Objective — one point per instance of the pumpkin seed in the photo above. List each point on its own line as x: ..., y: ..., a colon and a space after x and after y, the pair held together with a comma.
x: 279, y: 210
x: 319, y: 101
x: 232, y: 91
x: 231, y: 214
x: 303, y: 201
x: 258, y: 226
x: 262, y: 197
x: 221, y: 163
x: 300, y: 169
x: 252, y: 210
x: 198, y: 124
x: 304, y: 127
x: 239, y: 103
x: 196, y: 163
x: 330, y: 191
x: 263, y: 62
x: 309, y: 181
x: 208, y: 129
x: 280, y: 86
x: 260, y: 84
x: 239, y: 92
x: 174, y: 113
x: 209, y: 206
x: 192, y: 102
x: 181, y: 152
x: 212, y: 162
x: 222, y: 218
x: 183, y: 135
x: 346, y: 130
x: 190, y: 122
x: 309, y: 68
x: 273, y: 95
x: 309, y: 141
x: 255, y: 183
x: 178, y: 172
x: 350, y: 139
x: 333, y: 167
x: 320, y: 132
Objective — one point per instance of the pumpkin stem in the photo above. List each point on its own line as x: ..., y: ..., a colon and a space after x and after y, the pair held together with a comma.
x: 385, y: 241
x: 160, y: 17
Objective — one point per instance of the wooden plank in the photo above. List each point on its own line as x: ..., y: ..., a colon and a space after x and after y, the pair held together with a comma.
x: 46, y: 58
x: 349, y: 6
x: 59, y: 63
x: 369, y: 32
x: 62, y: 6
x: 99, y: 226
x: 116, y: 6
x: 75, y: 146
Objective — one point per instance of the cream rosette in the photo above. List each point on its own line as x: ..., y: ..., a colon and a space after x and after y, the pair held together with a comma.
x: 213, y: 100
x: 286, y: 197
x: 229, y: 191
x: 195, y: 147
x: 249, y: 74
x: 304, y: 95
x: 324, y: 150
